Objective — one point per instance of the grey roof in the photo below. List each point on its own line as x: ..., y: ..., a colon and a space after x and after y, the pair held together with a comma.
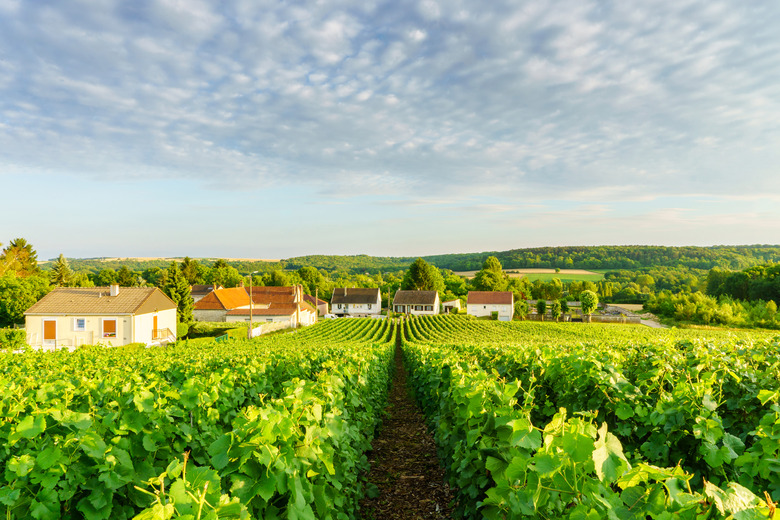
x: 415, y: 298
x: 354, y: 295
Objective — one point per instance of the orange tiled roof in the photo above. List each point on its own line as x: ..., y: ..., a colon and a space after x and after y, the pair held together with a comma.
x: 97, y: 300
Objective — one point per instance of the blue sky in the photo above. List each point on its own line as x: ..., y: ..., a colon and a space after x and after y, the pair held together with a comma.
x: 270, y: 129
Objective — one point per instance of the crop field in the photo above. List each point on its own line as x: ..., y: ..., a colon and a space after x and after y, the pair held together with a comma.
x: 599, y: 422
x: 564, y: 275
x: 531, y: 420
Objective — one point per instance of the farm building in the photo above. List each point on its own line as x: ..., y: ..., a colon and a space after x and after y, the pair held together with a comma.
x: 485, y: 303
x: 71, y: 316
x: 198, y: 291
x: 321, y: 305
x: 416, y: 302
x: 268, y: 304
x: 356, y: 302
x: 452, y: 306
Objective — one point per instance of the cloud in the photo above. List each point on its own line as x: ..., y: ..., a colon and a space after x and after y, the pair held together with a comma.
x: 575, y: 99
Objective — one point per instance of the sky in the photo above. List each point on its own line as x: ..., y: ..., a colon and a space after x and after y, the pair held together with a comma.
x: 271, y: 129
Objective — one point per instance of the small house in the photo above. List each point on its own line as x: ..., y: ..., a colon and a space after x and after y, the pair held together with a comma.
x: 348, y: 301
x: 68, y: 317
x: 416, y: 302
x: 485, y: 303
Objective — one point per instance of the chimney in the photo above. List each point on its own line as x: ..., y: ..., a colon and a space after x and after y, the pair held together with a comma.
x: 114, y: 290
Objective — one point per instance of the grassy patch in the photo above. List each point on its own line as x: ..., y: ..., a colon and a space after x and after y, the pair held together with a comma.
x: 564, y: 277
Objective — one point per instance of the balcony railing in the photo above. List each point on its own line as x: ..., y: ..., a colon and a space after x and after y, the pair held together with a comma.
x: 159, y: 334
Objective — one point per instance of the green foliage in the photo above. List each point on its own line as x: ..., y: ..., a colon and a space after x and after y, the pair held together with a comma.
x: 541, y: 307
x: 19, y: 257
x: 521, y: 308
x: 178, y: 290
x: 589, y: 301
x: 18, y: 294
x: 61, y: 274
x: 277, y: 427
x: 707, y: 310
x: 423, y: 276
x: 611, y: 429
x: 555, y: 310
x: 13, y: 339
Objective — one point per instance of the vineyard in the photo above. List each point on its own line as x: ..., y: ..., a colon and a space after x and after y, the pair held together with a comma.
x: 531, y: 420
x: 538, y: 421
x: 273, y: 428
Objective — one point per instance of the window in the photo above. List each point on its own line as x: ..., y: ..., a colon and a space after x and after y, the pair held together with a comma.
x: 79, y: 324
x: 339, y: 306
x: 429, y: 307
x: 369, y: 306
x: 109, y: 328
x: 418, y: 307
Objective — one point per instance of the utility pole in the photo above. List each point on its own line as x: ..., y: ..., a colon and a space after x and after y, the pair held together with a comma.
x: 251, y: 303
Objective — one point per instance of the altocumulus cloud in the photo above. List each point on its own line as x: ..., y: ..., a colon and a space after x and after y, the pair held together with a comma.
x: 507, y: 99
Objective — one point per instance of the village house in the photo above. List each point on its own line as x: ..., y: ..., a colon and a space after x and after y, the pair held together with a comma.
x: 321, y: 305
x: 268, y: 304
x: 416, y: 302
x: 198, y: 291
x: 485, y: 303
x: 68, y: 317
x: 356, y: 302
x: 451, y: 306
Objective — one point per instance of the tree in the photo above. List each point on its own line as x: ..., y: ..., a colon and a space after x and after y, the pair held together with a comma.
x: 178, y: 289
x: 20, y: 257
x: 555, y: 310
x: 589, y: 302
x: 423, y: 276
x: 126, y: 278
x: 521, y: 308
x: 61, y: 274
x: 541, y: 307
x: 564, y: 306
x: 18, y: 294
x: 489, y: 281
x: 492, y: 264
x: 190, y: 269
x: 491, y: 277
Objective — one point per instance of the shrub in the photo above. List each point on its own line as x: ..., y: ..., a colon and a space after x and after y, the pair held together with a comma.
x: 494, y: 315
x: 13, y: 339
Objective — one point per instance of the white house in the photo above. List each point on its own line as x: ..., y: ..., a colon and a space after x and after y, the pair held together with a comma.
x: 71, y: 316
x: 485, y: 303
x: 356, y: 302
x: 416, y: 302
x: 452, y: 306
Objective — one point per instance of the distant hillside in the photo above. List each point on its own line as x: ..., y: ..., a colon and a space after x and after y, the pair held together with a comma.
x: 575, y: 257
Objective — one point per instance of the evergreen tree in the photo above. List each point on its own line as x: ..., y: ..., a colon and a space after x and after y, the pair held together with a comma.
x: 61, y: 273
x: 190, y: 270
x: 20, y: 257
x: 178, y: 289
x: 423, y: 276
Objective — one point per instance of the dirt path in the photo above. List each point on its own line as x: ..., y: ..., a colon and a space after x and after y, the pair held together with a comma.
x: 404, y: 466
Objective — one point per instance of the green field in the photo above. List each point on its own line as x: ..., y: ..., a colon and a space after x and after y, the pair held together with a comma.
x: 564, y: 277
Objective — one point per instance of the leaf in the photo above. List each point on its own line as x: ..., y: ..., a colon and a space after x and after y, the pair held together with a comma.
x: 767, y: 395
x: 45, y: 506
x: 21, y: 465
x: 495, y: 466
x: 624, y: 411
x: 219, y: 451
x: 608, y: 456
x: 708, y: 403
x: 48, y: 457
x: 28, y: 428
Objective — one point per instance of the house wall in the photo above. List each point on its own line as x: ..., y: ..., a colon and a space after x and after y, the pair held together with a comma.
x: 505, y: 312
x: 68, y: 337
x: 209, y: 315
x: 355, y: 309
x: 262, y: 319
x: 144, y: 323
x: 414, y: 310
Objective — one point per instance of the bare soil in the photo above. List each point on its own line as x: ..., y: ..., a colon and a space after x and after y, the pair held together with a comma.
x: 404, y: 466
